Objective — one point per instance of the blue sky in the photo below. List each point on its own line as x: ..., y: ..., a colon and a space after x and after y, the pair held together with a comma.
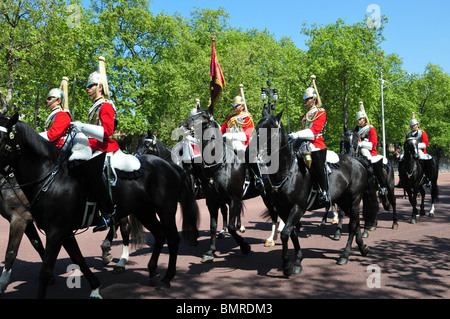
x: 418, y: 31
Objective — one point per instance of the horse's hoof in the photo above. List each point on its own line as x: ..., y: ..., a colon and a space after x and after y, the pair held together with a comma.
x: 413, y: 221
x: 364, y: 251
x: 287, y: 271
x: 342, y: 261
x: 365, y: 234
x: 106, y: 259
x: 269, y: 243
x: 323, y: 225
x: 395, y: 226
x: 221, y: 235
x: 245, y: 248
x: 154, y: 281
x: 207, y: 259
x: 297, y: 270
x: 118, y: 269
x: 242, y: 229
x: 162, y: 285
x: 337, y: 237
x: 431, y: 214
x: 334, y: 222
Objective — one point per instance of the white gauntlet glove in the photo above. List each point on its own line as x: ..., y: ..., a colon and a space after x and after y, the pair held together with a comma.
x: 95, y: 131
x: 306, y: 134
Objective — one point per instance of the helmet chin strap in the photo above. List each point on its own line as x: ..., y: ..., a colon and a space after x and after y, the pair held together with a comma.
x: 95, y: 92
x: 53, y: 102
x: 310, y: 104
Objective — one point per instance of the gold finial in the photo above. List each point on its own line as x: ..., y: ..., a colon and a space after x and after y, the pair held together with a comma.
x: 213, y: 36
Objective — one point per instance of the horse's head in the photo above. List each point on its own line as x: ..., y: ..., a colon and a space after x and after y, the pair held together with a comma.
x: 201, y: 125
x: 411, y: 147
x: 8, y: 146
x: 270, y: 126
x: 148, y: 145
x: 349, y: 142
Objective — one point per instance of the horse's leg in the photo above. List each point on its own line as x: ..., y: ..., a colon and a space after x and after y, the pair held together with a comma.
x: 392, y: 200
x: 412, y: 197
x: 16, y: 230
x: 52, y: 248
x: 235, y: 210
x: 297, y: 266
x: 224, y: 211
x: 422, y: 200
x: 239, y: 225
x: 213, y: 213
x: 338, y: 233
x: 270, y: 242
x: 36, y: 242
x: 150, y: 222
x: 286, y: 233
x: 434, y: 188
x: 173, y: 242
x: 354, y: 231
x: 106, y: 247
x: 324, y: 218
x: 125, y: 232
x: 71, y: 246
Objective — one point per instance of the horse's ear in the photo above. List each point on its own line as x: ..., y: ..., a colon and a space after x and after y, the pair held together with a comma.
x: 14, y: 119
x: 279, y: 115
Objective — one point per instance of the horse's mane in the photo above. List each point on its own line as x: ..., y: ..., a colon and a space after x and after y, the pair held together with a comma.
x: 27, y: 135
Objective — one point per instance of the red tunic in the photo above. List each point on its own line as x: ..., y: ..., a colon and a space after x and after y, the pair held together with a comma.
x: 239, y: 123
x: 57, y: 131
x: 372, y: 138
x: 422, y: 138
x: 315, y: 119
x: 106, y: 120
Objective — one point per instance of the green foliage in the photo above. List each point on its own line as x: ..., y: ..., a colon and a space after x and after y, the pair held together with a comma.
x: 158, y: 65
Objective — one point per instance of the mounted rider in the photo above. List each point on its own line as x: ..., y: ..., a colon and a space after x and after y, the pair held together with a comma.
x: 313, y: 125
x: 368, y: 141
x: 238, y: 129
x: 100, y: 127
x: 59, y: 119
x: 422, y: 138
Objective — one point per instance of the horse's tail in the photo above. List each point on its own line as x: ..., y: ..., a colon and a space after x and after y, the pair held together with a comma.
x: 189, y: 207
x: 136, y: 232
x: 370, y: 202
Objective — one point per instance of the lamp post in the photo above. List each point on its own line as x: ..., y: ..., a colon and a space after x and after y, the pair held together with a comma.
x: 271, y: 94
x: 382, y: 106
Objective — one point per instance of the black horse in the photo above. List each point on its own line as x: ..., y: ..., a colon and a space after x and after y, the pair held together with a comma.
x: 14, y: 208
x: 349, y: 145
x: 222, y: 174
x: 150, y: 144
x: 412, y: 178
x: 57, y: 200
x: 292, y: 191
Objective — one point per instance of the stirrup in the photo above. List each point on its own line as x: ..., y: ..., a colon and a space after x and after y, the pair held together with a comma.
x: 259, y: 184
x: 105, y: 222
x: 103, y: 225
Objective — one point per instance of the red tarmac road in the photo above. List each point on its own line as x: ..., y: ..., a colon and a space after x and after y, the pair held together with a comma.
x: 413, y: 261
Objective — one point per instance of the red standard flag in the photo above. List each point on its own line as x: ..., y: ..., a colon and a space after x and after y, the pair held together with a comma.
x: 217, y: 81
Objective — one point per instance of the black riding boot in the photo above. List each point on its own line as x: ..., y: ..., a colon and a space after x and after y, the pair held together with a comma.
x: 378, y: 172
x: 97, y: 188
x: 427, y: 170
x: 318, y: 168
